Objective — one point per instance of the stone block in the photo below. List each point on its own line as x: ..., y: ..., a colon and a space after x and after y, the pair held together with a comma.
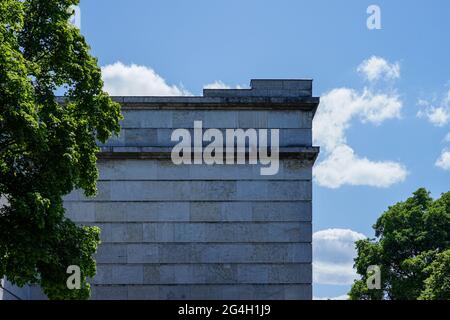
x: 290, y: 273
x: 281, y: 211
x: 129, y: 169
x: 121, y: 232
x: 139, y: 119
x: 206, y: 211
x: 109, y: 292
x: 249, y: 119
x: 298, y: 292
x: 297, y: 84
x: 157, y: 211
x: 142, y: 253
x: 266, y: 84
x: 290, y: 119
x: 111, y: 253
x: 144, y: 292
x: 213, y: 273
x: 295, y: 137
x: 220, y: 119
x: 273, y: 190
x: 152, y: 274
x: 127, y: 274
x: 141, y: 137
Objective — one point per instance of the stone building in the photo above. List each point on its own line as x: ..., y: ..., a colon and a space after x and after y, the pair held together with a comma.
x: 204, y: 231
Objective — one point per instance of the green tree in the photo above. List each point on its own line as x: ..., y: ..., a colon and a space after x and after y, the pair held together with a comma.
x: 437, y: 285
x: 412, y: 249
x: 47, y: 148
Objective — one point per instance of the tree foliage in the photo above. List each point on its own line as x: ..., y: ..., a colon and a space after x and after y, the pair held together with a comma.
x: 437, y: 285
x: 47, y: 148
x: 412, y: 248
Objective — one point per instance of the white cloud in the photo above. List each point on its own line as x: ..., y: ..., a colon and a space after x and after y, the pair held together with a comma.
x: 342, y: 167
x: 444, y: 160
x: 218, y: 84
x: 136, y: 80
x: 376, y: 68
x: 436, y: 115
x: 334, y: 251
x: 339, y: 106
x: 342, y: 297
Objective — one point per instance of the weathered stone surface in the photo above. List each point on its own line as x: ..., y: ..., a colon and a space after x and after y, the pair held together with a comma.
x: 110, y: 292
x: 206, y: 232
x: 199, y: 191
x: 146, y: 253
x: 204, y: 292
x: 161, y: 137
x: 134, y: 169
x: 195, y: 211
x: 286, y: 119
x: 266, y: 88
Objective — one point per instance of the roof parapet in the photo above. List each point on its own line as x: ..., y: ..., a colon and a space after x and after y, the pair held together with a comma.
x: 289, y: 88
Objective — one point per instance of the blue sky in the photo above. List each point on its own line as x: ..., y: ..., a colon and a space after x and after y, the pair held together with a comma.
x: 185, y: 45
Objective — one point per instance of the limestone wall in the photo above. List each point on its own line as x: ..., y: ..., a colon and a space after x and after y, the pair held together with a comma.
x: 194, y: 235
x: 199, y: 231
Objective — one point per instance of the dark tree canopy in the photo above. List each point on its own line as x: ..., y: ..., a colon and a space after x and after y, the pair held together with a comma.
x: 47, y: 148
x: 412, y: 247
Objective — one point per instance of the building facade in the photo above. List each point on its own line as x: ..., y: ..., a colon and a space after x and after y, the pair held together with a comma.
x: 200, y: 231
